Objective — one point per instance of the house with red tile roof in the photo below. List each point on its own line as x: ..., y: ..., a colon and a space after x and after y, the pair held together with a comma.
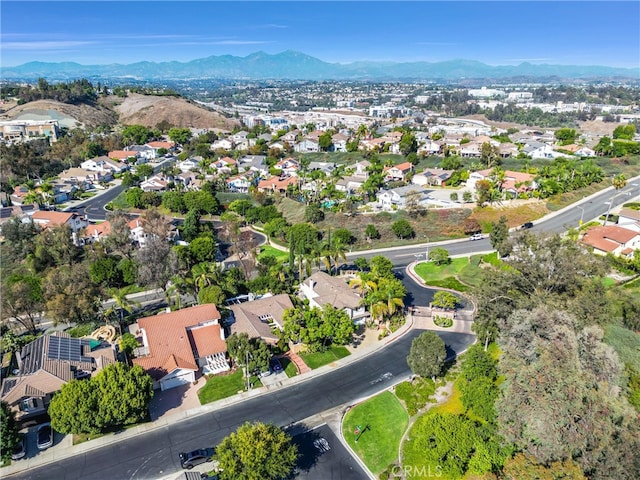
x: 46, y: 218
x: 121, y: 155
x: 612, y: 239
x: 513, y: 184
x: 157, y: 145
x: 398, y: 172
x: 175, y: 346
x: 98, y: 231
x: 277, y: 184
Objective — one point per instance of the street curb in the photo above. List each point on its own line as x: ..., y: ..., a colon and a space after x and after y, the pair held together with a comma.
x: 111, y: 439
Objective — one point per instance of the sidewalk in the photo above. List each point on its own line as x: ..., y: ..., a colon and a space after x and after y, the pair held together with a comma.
x: 78, y: 203
x: 64, y: 449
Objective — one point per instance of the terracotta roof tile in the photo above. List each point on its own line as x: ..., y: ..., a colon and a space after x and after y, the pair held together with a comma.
x: 208, y: 340
x: 168, y: 340
x: 52, y: 218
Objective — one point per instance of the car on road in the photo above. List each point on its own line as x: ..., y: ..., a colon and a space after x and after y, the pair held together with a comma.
x: 476, y: 236
x: 196, y: 457
x: 44, y: 436
x: 526, y: 226
x: 20, y: 450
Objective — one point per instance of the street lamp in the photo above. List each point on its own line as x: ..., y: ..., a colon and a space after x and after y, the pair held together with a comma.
x: 582, y: 214
x: 426, y: 255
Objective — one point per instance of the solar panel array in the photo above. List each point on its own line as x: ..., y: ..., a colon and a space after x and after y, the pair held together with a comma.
x: 69, y: 349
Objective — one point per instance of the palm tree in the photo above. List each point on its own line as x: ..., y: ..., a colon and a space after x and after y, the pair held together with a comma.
x: 120, y: 304
x: 619, y: 182
x: 363, y: 283
x: 205, y: 274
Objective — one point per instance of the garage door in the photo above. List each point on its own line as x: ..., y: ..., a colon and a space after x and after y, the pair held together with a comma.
x: 177, y: 379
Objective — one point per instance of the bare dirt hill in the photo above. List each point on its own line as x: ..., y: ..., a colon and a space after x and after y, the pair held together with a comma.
x: 69, y: 116
x: 149, y: 110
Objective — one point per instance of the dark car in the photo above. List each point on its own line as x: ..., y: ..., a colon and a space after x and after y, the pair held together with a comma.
x: 196, y: 457
x: 276, y: 366
x: 45, y: 436
x: 20, y: 450
x: 526, y: 226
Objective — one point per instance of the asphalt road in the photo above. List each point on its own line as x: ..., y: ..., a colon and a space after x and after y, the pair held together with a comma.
x: 155, y: 454
x: 588, y: 210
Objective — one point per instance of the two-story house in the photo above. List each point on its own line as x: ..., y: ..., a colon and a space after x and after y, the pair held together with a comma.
x: 45, y: 365
x: 322, y: 289
x: 175, y: 346
x: 398, y: 172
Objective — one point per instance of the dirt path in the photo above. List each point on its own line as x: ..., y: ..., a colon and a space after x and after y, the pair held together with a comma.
x: 440, y: 396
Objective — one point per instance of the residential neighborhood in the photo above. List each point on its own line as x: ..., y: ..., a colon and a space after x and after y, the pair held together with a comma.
x: 189, y: 271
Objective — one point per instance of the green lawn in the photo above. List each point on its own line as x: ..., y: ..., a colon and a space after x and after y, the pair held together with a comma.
x: 445, y: 275
x: 461, y: 274
x: 387, y: 420
x: 318, y: 359
x: 625, y: 342
x: 289, y: 367
x: 223, y: 386
x: 268, y: 250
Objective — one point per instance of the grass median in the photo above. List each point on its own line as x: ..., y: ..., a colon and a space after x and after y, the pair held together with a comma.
x: 382, y: 420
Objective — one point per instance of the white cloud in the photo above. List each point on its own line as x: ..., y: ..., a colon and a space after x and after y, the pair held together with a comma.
x: 45, y: 45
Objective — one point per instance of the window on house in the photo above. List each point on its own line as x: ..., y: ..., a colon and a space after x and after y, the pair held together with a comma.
x: 28, y: 404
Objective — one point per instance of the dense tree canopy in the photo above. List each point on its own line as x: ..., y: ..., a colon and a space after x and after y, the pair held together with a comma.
x: 318, y: 328
x: 115, y: 397
x: 573, y: 378
x: 256, y: 452
x: 427, y: 355
x: 8, y: 431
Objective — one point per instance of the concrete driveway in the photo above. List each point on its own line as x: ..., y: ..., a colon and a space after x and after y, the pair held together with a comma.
x: 175, y: 400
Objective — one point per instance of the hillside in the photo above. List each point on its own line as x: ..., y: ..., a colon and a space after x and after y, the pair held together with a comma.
x: 146, y: 110
x: 149, y: 110
x: 68, y: 115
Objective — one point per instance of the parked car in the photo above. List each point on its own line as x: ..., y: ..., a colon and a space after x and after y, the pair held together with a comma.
x: 20, y: 450
x: 476, y: 236
x: 45, y: 436
x: 526, y: 226
x: 276, y: 366
x: 196, y: 457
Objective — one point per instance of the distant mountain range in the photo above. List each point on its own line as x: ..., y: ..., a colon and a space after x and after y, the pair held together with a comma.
x: 291, y: 65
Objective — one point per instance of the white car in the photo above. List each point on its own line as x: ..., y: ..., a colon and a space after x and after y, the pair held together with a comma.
x: 476, y: 236
x: 44, y: 436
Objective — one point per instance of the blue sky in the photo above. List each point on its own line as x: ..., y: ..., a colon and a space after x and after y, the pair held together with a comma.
x: 497, y: 33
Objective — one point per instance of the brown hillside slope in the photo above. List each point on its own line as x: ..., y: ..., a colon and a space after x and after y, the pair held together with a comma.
x: 69, y: 116
x: 148, y: 110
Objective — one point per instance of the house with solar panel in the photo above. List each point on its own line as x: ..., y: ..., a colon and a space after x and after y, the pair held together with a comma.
x: 45, y: 365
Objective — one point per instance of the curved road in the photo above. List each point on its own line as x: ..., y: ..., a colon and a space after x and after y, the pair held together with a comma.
x: 155, y: 454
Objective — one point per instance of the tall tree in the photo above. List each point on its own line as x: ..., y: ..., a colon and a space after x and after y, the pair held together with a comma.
x: 256, y: 452
x: 8, y: 431
x: 499, y: 236
x: 561, y: 385
x: 427, y: 355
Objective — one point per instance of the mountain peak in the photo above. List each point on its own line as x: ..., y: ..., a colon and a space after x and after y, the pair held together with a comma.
x: 295, y: 65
